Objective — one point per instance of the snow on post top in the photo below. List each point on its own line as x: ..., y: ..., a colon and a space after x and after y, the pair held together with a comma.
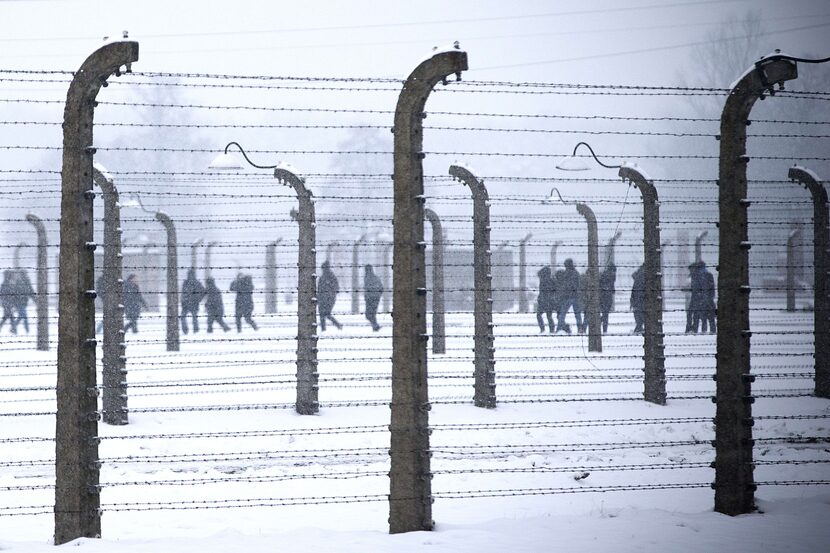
x: 634, y: 167
x: 454, y: 47
x: 808, y: 171
x: 466, y: 166
x: 751, y: 68
x: 285, y: 166
x: 103, y: 170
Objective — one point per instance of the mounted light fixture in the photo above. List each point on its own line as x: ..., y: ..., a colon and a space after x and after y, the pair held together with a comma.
x: 574, y: 163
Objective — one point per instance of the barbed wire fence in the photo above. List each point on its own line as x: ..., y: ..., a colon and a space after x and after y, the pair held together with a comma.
x: 213, y: 417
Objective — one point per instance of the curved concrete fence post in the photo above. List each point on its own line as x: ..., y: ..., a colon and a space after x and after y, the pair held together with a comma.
x: 172, y: 281
x: 410, y: 497
x: 699, y: 246
x: 553, y: 250
x: 307, y: 377
x: 654, y: 355
x: 483, y: 347
x: 523, y: 301
x: 439, y: 340
x: 209, y: 259
x: 592, y: 313
x: 114, y: 358
x: 734, y: 482
x: 77, y: 491
x: 610, y: 250
x: 792, y: 241
x: 356, y: 274
x: 821, y: 274
x: 42, y: 301
x: 194, y: 253
x: 271, y: 291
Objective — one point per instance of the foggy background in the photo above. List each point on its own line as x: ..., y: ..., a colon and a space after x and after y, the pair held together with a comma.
x: 157, y: 133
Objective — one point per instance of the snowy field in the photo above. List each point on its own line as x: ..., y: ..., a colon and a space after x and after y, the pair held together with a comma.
x: 215, y: 459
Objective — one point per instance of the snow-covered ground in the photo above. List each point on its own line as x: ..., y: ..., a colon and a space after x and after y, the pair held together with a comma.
x: 571, y: 459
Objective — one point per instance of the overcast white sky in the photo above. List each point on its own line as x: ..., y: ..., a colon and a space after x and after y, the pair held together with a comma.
x: 522, y: 40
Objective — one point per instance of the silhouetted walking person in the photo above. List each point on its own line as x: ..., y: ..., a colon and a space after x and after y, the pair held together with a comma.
x: 703, y: 299
x: 546, y: 301
x: 192, y: 294
x: 372, y: 291
x: 607, y: 281
x: 567, y: 292
x: 327, y: 288
x: 22, y: 291
x: 214, y: 306
x: 133, y: 303
x: 638, y: 298
x: 243, y: 285
x: 7, y: 300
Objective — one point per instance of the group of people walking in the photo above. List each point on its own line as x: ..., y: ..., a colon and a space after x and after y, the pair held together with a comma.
x: 15, y: 292
x: 193, y: 292
x: 567, y: 290
x: 328, y: 287
x: 701, y: 310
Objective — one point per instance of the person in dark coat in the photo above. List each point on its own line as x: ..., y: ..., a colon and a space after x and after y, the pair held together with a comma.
x: 327, y: 288
x: 7, y: 300
x: 372, y: 291
x: 638, y: 298
x: 22, y: 291
x: 243, y: 285
x: 696, y: 303
x: 546, y: 301
x: 703, y: 299
x: 214, y: 306
x: 133, y: 303
x: 567, y: 293
x: 192, y: 294
x: 607, y: 281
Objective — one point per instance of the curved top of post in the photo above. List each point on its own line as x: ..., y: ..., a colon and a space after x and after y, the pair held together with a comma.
x: 197, y: 243
x: 793, y: 235
x: 764, y: 74
x: 701, y: 236
x: 638, y: 178
x: 273, y: 244
x: 360, y: 240
x: 464, y: 174
x: 106, y: 60
x: 287, y: 174
x: 613, y: 239
x: 161, y: 216
x: 165, y: 219
x: 34, y: 219
x: 432, y: 217
x: 16, y: 254
x: 214, y: 242
x: 527, y: 237
x: 103, y: 179
x: 586, y: 212
x: 810, y: 180
x: 433, y: 70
